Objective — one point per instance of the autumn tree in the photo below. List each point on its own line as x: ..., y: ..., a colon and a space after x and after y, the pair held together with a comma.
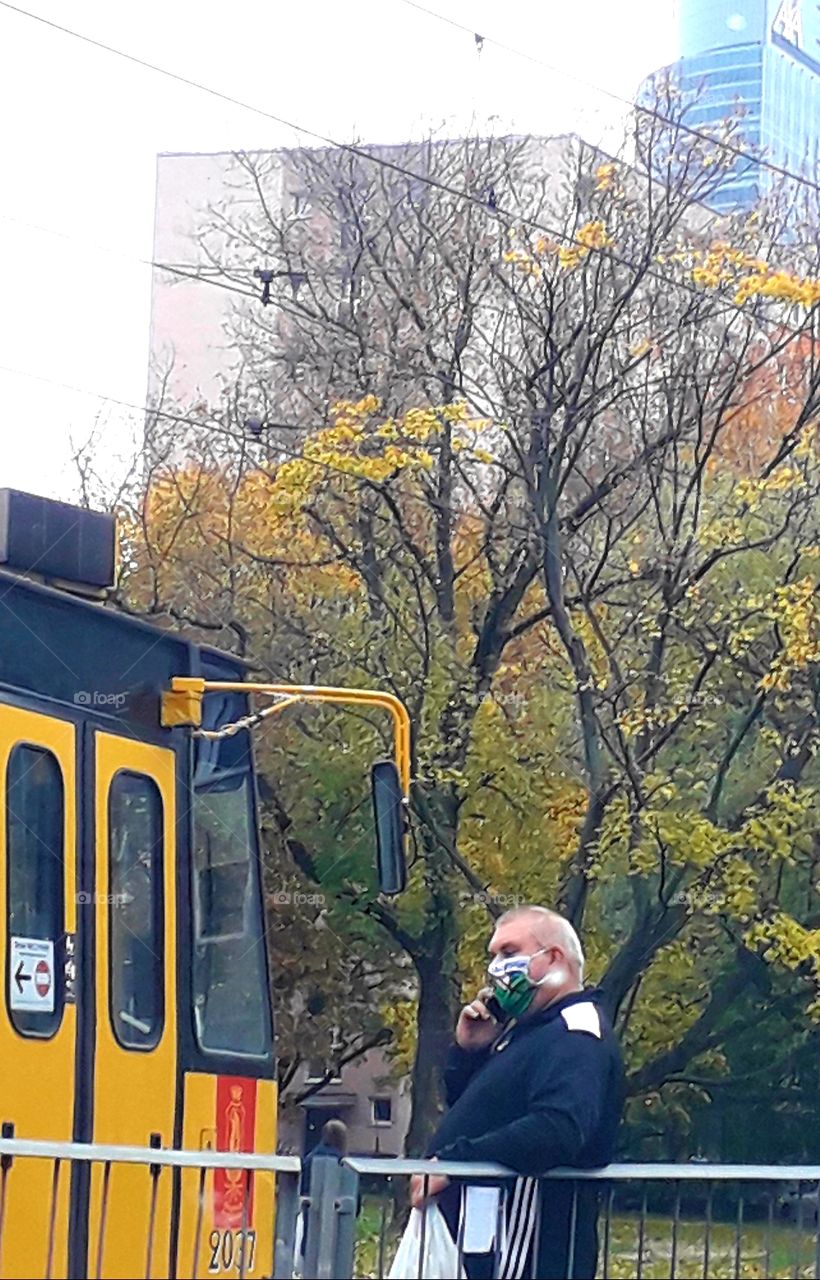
x: 509, y: 378
x: 627, y: 475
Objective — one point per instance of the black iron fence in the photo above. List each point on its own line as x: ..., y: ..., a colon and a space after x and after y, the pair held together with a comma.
x: 34, y: 1210
x: 653, y: 1221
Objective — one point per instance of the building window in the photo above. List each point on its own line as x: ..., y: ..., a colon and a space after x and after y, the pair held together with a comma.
x: 381, y: 1112
x: 135, y: 910
x: 34, y: 849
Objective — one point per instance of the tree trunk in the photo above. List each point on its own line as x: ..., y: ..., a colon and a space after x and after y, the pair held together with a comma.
x: 438, y: 1007
x: 635, y: 956
x: 434, y: 956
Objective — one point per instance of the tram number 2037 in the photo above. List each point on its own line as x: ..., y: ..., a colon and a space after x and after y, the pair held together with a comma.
x: 232, y: 1251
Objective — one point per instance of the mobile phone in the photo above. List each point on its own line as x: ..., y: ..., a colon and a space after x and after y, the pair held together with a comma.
x: 494, y: 1009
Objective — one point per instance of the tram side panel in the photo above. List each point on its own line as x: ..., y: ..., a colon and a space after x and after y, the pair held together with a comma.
x: 38, y: 1018
x: 135, y: 1048
x: 100, y: 1057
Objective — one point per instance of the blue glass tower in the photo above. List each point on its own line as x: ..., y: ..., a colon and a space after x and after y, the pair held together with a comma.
x: 765, y: 55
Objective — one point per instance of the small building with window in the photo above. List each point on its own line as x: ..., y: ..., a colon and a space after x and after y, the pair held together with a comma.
x: 373, y: 1104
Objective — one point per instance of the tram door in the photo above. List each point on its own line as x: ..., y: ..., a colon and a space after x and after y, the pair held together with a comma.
x: 135, y: 1063
x: 38, y: 1025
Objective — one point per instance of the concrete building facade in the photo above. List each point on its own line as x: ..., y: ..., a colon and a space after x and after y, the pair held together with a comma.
x: 203, y: 200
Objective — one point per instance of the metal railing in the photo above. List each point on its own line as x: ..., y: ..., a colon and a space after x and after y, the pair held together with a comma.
x: 67, y: 1158
x: 653, y: 1220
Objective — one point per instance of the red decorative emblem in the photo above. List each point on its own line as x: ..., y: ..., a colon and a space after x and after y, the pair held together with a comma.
x: 235, y: 1127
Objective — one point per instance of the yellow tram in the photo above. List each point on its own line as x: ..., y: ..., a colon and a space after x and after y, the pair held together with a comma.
x: 136, y: 1005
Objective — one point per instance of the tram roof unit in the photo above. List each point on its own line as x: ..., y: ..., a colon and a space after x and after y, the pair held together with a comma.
x: 74, y: 650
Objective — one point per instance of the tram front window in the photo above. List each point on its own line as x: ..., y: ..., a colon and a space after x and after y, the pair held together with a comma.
x: 229, y: 971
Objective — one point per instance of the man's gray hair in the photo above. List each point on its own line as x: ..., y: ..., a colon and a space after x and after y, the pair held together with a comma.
x: 567, y: 936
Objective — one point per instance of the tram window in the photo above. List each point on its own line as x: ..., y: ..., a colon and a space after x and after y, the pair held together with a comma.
x: 135, y: 910
x: 231, y: 1011
x: 34, y: 843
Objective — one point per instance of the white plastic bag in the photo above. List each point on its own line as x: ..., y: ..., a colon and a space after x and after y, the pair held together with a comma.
x: 298, y: 1246
x: 440, y: 1261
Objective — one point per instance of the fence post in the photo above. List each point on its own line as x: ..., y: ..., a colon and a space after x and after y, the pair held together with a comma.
x: 287, y: 1211
x: 331, y: 1221
x: 347, y: 1204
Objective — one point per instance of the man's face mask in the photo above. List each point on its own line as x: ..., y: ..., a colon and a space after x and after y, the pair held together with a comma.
x: 513, y: 987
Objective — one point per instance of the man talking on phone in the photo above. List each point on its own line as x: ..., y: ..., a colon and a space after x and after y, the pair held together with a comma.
x: 534, y: 1082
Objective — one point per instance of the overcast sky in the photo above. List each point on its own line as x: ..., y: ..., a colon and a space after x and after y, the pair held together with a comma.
x: 81, y: 131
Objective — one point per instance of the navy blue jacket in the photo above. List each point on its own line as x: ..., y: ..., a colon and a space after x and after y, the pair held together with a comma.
x: 321, y: 1149
x: 547, y: 1094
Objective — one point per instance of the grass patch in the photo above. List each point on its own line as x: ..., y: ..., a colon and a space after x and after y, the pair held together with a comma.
x: 763, y: 1254
x: 377, y: 1236
x: 778, y: 1253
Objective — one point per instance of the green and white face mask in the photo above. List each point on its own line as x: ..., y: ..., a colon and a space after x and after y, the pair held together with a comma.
x: 513, y: 987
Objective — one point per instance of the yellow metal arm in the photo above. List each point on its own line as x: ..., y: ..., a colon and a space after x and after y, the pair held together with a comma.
x: 182, y: 705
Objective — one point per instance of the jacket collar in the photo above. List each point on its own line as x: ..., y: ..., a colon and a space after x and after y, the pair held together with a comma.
x: 552, y: 1010
x: 544, y: 1016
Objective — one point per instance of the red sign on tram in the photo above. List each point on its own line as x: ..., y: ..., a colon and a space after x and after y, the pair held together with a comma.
x: 235, y: 1129
x: 42, y: 979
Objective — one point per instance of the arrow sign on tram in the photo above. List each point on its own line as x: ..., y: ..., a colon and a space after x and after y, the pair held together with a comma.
x: 20, y: 977
x: 32, y: 965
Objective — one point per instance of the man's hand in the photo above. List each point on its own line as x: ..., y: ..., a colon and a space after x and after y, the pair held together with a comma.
x: 424, y: 1186
x: 476, y: 1028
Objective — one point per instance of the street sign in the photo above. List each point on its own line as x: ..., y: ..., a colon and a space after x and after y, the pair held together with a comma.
x: 31, y: 974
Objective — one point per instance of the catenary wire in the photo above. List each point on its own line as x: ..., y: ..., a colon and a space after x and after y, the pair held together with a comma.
x: 148, y: 410
x: 202, y: 275
x: 199, y: 274
x: 504, y: 216
x: 215, y: 428
x: 174, y: 269
x: 640, y: 107
x: 427, y: 502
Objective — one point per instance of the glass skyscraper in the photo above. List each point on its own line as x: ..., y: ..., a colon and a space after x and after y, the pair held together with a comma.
x: 764, y: 54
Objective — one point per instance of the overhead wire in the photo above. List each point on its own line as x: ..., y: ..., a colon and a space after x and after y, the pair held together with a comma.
x: 369, y: 157
x: 364, y: 154
x: 195, y: 275
x: 175, y: 269
x: 148, y: 410
x: 247, y: 441
x: 427, y: 502
x: 217, y: 428
x: 507, y: 218
x: 633, y: 104
x: 414, y: 4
